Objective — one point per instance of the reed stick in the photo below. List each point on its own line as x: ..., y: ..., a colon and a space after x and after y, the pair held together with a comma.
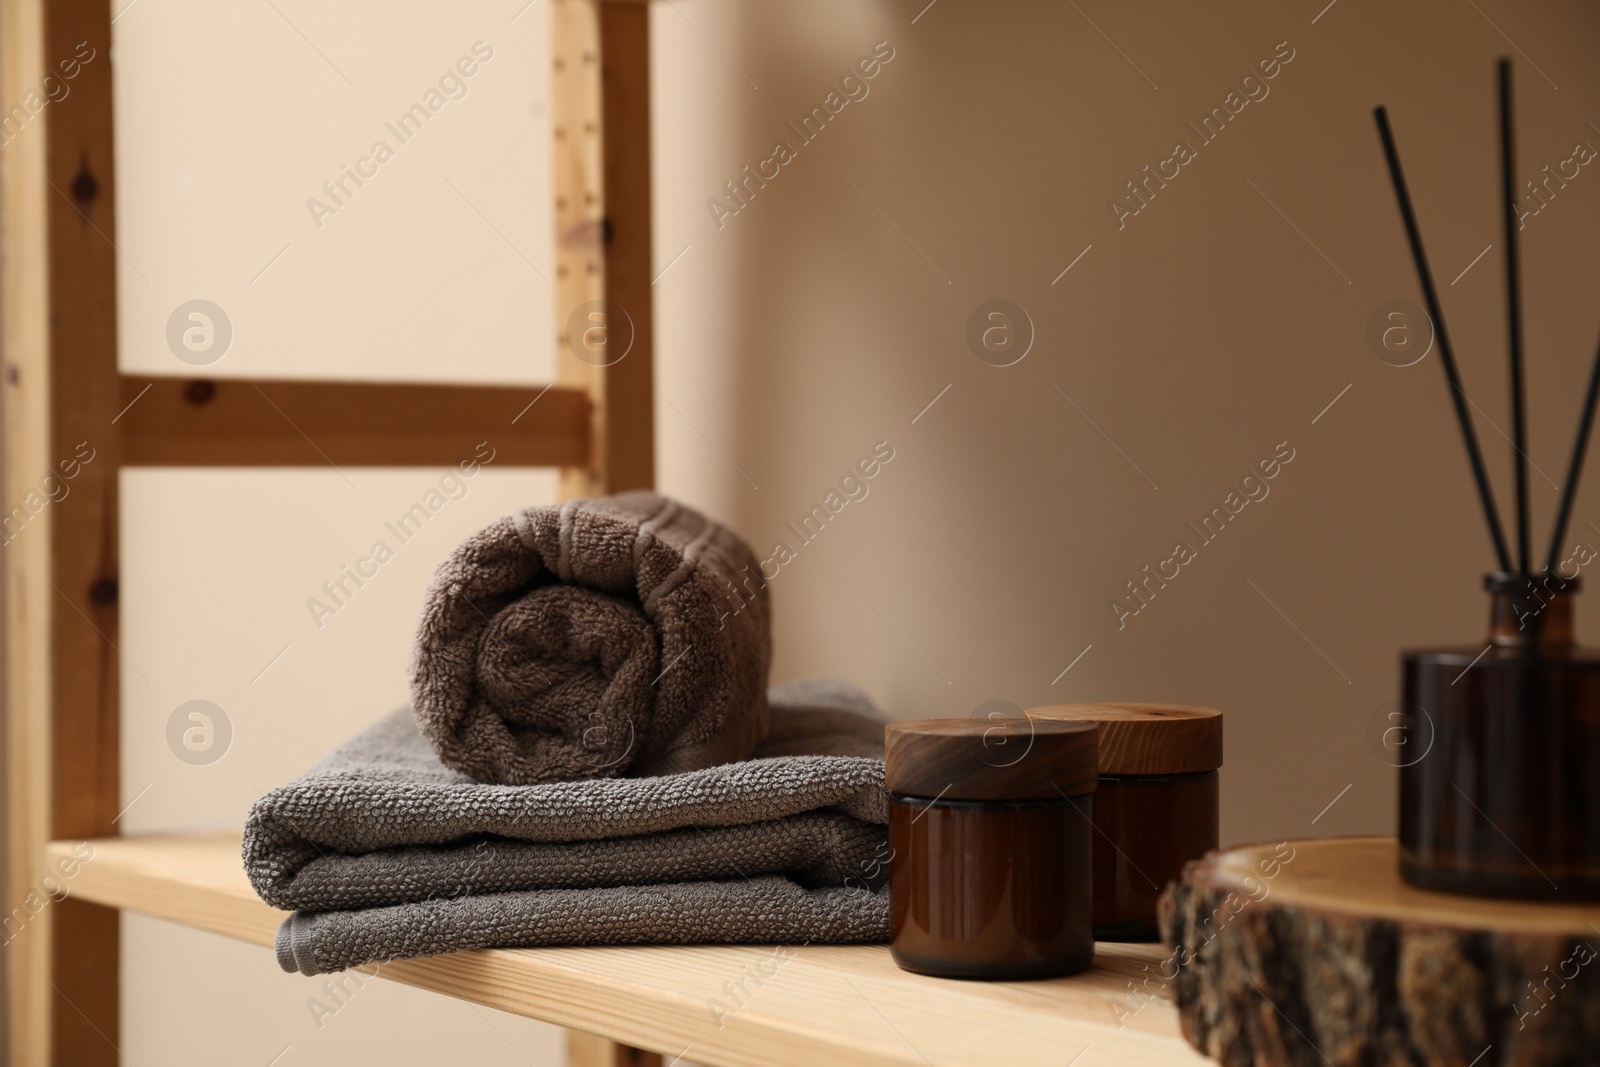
x: 1580, y: 445
x: 1446, y: 354
x: 1519, y: 408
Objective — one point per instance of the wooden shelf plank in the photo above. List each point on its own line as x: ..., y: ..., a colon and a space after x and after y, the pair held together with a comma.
x: 847, y: 1006
x: 178, y: 422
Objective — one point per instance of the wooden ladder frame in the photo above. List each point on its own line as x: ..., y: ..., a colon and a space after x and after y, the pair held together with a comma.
x: 61, y: 386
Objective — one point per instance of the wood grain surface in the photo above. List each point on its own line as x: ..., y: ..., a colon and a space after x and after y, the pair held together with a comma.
x: 989, y: 759
x: 720, y: 1005
x: 1148, y: 738
x: 1315, y: 952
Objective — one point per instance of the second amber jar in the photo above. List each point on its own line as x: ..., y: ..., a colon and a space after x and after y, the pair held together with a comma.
x: 990, y: 837
x: 1156, y: 808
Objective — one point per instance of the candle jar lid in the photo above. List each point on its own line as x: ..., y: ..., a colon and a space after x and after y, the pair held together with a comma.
x: 988, y: 759
x: 1147, y: 738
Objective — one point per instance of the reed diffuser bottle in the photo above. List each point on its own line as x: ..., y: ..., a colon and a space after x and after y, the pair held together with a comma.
x: 1502, y: 797
x: 1501, y: 793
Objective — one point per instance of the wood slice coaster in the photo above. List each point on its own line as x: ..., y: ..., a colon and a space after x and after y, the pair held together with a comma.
x: 1316, y: 953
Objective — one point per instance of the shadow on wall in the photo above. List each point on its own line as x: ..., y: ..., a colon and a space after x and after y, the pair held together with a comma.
x: 1186, y: 215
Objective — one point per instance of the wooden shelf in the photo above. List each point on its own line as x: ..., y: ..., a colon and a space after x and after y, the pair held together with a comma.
x: 840, y: 1005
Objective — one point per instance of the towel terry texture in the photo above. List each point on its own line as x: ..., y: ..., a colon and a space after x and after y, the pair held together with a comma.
x: 621, y: 635
x: 387, y: 853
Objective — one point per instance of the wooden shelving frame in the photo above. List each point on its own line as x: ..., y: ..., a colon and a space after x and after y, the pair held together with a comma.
x: 62, y: 386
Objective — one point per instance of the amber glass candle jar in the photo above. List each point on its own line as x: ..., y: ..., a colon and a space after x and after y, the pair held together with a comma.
x: 990, y: 827
x: 1156, y: 808
x: 1499, y: 753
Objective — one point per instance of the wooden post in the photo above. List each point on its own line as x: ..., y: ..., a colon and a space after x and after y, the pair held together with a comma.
x: 25, y: 320
x: 628, y: 428
x: 61, y: 395
x: 600, y: 118
x: 587, y: 1050
x: 581, y: 326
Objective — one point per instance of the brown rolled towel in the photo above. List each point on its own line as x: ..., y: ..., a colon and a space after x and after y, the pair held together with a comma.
x: 620, y: 635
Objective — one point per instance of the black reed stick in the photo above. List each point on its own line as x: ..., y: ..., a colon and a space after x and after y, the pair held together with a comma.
x: 1446, y: 355
x: 1519, y: 411
x: 1575, y: 465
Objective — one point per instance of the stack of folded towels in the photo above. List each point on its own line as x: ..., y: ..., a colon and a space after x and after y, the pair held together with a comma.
x: 592, y: 756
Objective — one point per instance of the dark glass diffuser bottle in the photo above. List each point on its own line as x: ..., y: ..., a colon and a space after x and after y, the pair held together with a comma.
x: 1504, y: 798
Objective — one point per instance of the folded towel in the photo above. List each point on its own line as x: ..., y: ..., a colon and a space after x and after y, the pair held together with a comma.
x: 765, y: 910
x: 389, y: 854
x: 626, y: 634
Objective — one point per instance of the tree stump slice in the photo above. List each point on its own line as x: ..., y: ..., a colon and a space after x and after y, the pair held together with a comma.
x: 1316, y: 953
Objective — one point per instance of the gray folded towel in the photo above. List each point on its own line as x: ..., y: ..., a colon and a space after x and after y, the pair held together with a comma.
x: 626, y: 634
x: 389, y: 854
x: 765, y: 910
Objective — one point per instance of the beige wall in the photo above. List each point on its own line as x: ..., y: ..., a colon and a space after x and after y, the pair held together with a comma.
x: 1196, y: 339
x: 808, y: 328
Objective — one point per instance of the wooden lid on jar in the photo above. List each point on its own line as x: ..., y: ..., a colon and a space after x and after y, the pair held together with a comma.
x: 1147, y: 738
x: 990, y: 759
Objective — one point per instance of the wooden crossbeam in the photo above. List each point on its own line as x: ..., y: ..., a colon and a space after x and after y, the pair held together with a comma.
x: 173, y: 422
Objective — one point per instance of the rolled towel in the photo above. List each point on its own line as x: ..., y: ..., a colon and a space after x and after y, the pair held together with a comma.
x: 621, y: 635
